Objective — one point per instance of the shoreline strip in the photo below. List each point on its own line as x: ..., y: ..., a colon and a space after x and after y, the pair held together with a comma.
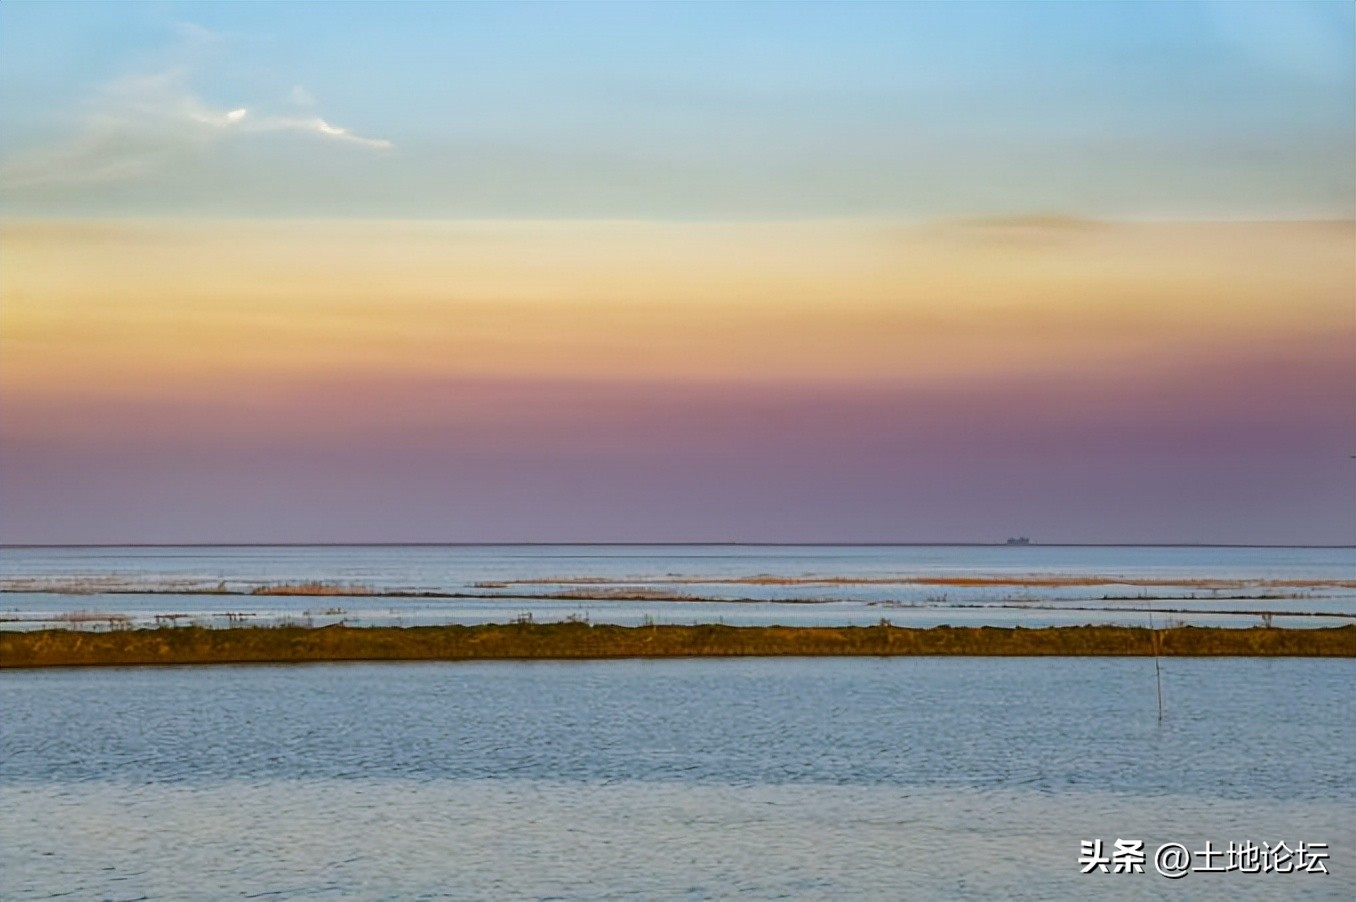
x: 583, y: 641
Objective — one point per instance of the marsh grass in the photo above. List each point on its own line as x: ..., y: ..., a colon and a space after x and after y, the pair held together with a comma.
x: 94, y: 619
x: 297, y: 642
x: 313, y: 587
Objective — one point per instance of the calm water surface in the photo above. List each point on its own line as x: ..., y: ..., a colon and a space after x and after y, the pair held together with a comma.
x: 502, y: 582
x: 786, y: 778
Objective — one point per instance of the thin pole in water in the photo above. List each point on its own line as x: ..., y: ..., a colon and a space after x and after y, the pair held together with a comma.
x: 1158, y: 673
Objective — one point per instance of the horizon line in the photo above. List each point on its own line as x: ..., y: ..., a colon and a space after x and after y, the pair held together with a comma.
x: 675, y: 544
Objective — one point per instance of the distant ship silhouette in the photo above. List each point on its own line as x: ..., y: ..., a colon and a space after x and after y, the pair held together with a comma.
x: 1020, y: 540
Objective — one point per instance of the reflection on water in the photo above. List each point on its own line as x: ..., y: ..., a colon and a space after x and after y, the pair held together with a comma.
x: 630, y: 585
x: 807, y: 778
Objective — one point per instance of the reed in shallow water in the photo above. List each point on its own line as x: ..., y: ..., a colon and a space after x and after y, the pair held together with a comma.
x: 575, y: 640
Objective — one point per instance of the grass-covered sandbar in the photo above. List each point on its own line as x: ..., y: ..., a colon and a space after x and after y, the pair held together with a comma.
x: 563, y: 641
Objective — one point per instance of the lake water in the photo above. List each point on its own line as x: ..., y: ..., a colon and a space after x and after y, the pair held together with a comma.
x: 633, y: 584
x: 786, y: 778
x: 777, y: 778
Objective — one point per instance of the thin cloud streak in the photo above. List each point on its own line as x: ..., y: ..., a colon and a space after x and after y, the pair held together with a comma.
x: 310, y: 124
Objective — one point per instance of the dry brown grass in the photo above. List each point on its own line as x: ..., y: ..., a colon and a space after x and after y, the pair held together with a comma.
x: 313, y: 588
x: 193, y: 645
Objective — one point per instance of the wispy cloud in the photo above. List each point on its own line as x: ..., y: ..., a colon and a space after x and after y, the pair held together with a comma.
x: 144, y: 122
x: 244, y: 121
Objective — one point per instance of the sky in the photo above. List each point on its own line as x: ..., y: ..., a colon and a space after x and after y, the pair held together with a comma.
x: 678, y: 272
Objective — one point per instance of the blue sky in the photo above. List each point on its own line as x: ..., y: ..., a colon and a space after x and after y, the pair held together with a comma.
x: 678, y: 111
